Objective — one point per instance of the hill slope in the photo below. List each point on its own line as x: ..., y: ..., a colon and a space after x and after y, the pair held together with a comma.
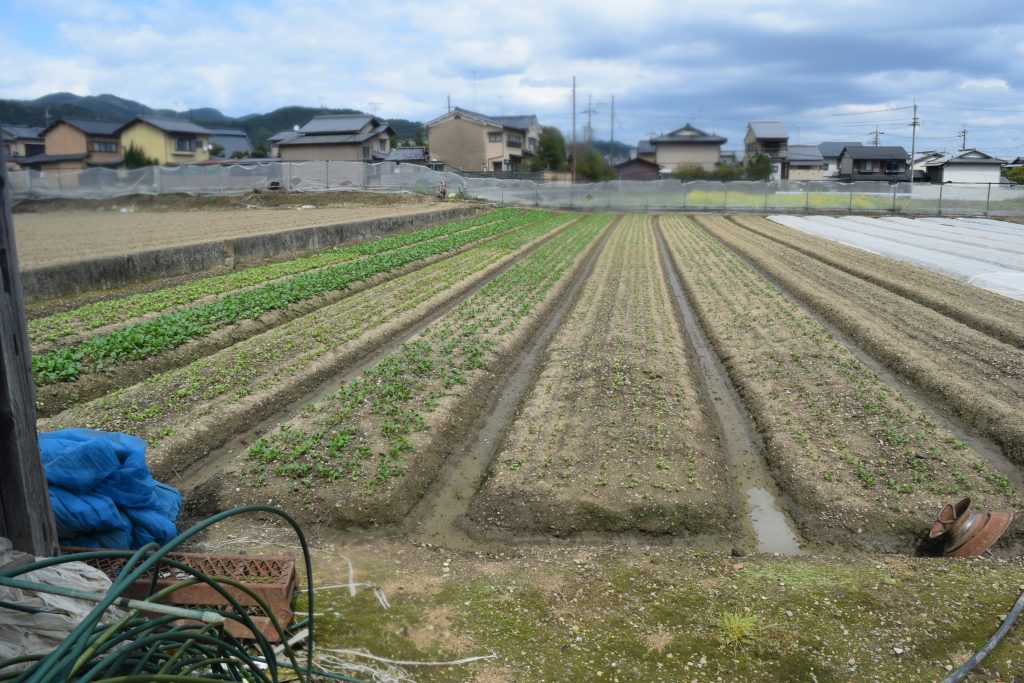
x: 48, y: 108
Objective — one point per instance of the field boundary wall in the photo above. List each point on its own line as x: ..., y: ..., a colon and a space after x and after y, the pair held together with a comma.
x: 47, y: 282
x: 825, y: 196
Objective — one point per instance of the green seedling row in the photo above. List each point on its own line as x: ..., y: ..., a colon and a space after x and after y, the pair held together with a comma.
x: 829, y: 421
x: 157, y: 407
x: 109, y: 312
x: 330, y: 441
x: 149, y: 337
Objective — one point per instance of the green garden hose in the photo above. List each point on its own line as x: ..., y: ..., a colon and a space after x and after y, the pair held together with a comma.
x: 144, y: 647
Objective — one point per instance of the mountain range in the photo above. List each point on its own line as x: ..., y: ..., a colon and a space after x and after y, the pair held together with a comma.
x: 44, y: 110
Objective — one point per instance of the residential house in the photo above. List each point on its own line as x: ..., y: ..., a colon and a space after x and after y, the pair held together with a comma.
x: 171, y: 142
x: 830, y: 154
x: 78, y: 143
x: 687, y: 146
x: 275, y: 140
x: 21, y: 142
x: 806, y: 163
x: 919, y: 163
x: 767, y: 137
x: 728, y: 157
x: 645, y: 150
x: 469, y: 141
x: 638, y: 169
x: 233, y: 141
x: 338, y: 137
x: 965, y: 166
x: 873, y: 163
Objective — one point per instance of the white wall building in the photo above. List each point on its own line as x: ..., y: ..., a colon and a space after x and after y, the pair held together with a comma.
x: 965, y: 166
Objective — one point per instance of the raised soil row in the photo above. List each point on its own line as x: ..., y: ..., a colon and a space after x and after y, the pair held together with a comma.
x: 985, y: 311
x: 184, y: 412
x: 976, y: 376
x: 613, y: 436
x: 365, y: 454
x: 862, y: 464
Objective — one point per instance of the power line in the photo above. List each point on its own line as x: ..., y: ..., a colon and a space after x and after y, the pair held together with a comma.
x: 874, y: 111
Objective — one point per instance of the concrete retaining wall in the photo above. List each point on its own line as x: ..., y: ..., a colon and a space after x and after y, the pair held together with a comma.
x: 49, y: 282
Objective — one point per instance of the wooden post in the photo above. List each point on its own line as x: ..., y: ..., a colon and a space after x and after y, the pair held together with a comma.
x: 25, y: 514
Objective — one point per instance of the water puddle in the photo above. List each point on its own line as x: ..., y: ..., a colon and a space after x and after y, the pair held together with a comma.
x: 764, y: 518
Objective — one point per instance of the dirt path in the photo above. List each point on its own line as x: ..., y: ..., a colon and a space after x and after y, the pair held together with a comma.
x: 50, y: 238
x: 986, y: 311
x: 976, y: 376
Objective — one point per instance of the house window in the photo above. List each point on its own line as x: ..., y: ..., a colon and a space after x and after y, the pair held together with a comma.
x: 868, y: 166
x: 893, y: 166
x: 383, y: 144
x: 184, y: 144
x: 531, y: 144
x: 494, y: 137
x: 515, y: 140
x: 103, y: 146
x: 366, y: 152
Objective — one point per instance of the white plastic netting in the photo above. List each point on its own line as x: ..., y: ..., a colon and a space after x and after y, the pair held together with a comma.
x: 618, y: 195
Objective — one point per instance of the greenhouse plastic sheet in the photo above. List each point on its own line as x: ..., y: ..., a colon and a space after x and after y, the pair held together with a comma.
x: 983, y: 252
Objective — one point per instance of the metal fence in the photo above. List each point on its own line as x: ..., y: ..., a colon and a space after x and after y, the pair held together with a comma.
x: 620, y: 195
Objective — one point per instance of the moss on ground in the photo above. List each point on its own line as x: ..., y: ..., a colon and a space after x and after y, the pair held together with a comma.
x: 662, y: 614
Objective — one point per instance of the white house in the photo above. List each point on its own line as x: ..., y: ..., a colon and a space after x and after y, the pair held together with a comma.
x: 965, y: 166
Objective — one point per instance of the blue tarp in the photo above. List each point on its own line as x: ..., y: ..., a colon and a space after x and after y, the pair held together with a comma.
x: 102, y: 492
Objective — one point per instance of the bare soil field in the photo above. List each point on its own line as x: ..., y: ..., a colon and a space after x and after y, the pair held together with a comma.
x: 988, y: 312
x: 50, y: 238
x: 615, y: 435
x: 862, y: 464
x: 525, y: 429
x: 976, y: 376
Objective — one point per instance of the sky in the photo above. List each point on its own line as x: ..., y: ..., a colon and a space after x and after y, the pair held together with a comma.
x: 827, y: 70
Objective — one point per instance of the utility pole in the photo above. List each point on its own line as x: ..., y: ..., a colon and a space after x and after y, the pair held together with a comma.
x: 589, y: 111
x: 914, y: 123
x: 963, y: 134
x: 877, y: 134
x: 611, y: 137
x: 574, y: 129
x: 449, y: 104
x: 25, y: 513
x: 374, y: 106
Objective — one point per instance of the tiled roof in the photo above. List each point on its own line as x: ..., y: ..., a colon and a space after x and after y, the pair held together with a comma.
x: 347, y: 139
x: 516, y: 122
x: 802, y: 155
x: 231, y: 139
x: 880, y: 152
x: 170, y: 125
x: 688, y: 134
x: 49, y: 158
x: 338, y: 124
x: 406, y: 154
x: 282, y: 136
x: 90, y: 127
x: 769, y: 130
x: 833, y: 148
x: 12, y: 132
x: 965, y: 156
